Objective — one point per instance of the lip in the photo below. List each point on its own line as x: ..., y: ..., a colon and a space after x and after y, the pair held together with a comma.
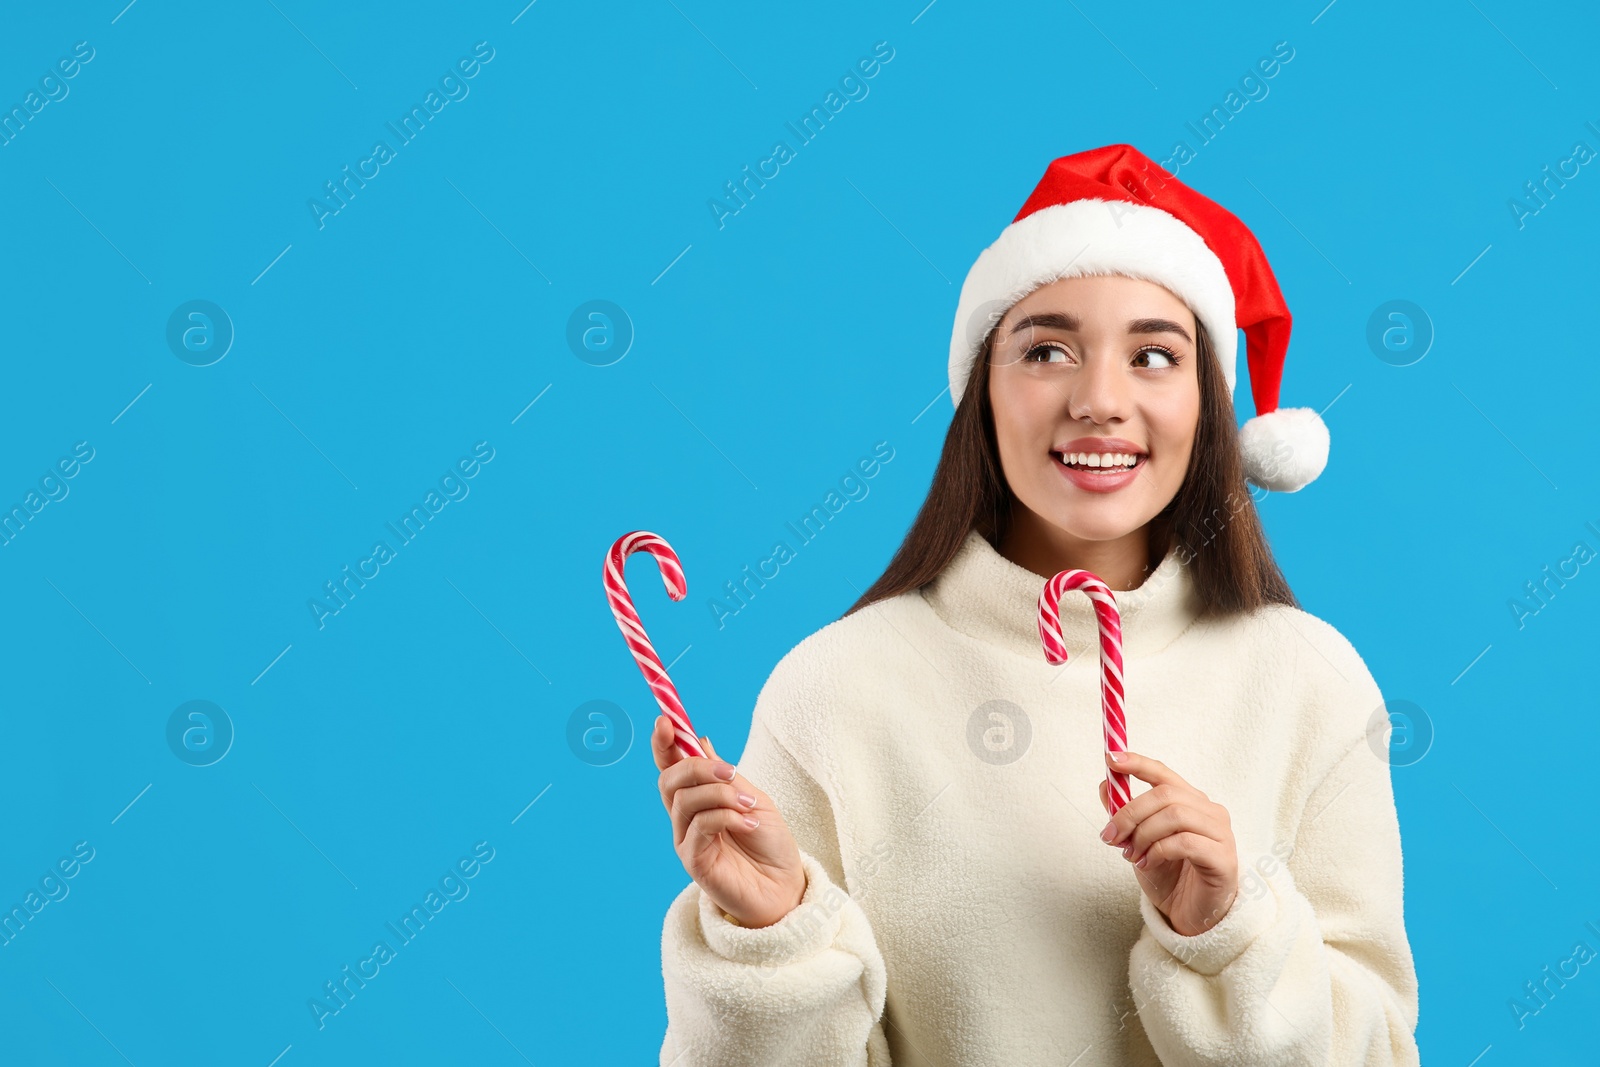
x: 1089, y: 481
x: 1100, y: 444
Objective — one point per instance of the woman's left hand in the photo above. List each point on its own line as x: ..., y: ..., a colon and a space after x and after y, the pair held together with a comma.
x: 1179, y: 842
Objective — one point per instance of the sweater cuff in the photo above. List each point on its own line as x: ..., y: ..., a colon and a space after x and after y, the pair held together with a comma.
x: 808, y: 929
x: 1209, y: 951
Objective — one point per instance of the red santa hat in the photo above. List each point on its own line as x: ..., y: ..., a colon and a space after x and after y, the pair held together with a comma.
x: 1112, y: 210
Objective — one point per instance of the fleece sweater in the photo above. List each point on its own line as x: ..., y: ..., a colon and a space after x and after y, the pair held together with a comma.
x: 940, y: 778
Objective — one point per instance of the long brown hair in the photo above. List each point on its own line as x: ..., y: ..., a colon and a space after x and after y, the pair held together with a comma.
x: 1212, y: 518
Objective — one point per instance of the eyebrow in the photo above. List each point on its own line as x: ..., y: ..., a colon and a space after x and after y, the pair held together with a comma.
x: 1060, y: 320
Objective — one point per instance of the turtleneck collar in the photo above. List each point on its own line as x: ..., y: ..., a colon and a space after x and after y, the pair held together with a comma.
x: 986, y: 596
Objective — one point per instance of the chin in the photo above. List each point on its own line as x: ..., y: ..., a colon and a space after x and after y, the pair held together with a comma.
x: 1098, y: 523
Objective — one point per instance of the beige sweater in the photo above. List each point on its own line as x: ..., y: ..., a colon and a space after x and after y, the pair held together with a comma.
x: 940, y: 779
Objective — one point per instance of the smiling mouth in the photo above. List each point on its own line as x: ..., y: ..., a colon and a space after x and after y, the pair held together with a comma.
x: 1100, y: 462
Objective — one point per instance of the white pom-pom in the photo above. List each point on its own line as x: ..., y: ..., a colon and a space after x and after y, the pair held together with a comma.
x: 1284, y: 450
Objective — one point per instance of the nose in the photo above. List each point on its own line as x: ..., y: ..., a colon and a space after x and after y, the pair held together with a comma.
x: 1099, y: 391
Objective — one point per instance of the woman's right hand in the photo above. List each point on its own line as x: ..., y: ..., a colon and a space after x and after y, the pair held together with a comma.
x: 753, y: 873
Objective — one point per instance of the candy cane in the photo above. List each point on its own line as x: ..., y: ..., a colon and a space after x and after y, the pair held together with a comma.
x: 644, y: 654
x: 1055, y: 650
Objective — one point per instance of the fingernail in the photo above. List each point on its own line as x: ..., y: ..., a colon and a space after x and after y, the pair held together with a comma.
x: 1108, y: 834
x: 723, y: 771
x: 1140, y: 861
x: 747, y: 800
x: 1127, y: 851
x: 1116, y: 757
x: 752, y: 823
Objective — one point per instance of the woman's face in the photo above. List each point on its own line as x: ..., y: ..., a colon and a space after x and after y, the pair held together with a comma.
x: 1103, y: 365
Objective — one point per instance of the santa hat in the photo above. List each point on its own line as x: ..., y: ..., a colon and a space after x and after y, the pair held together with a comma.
x: 1111, y: 210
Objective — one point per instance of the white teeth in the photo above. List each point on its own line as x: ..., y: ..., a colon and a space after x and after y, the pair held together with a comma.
x: 1094, y: 460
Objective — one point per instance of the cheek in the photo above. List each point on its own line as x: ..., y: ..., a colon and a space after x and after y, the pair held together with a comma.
x: 1173, y: 424
x: 1003, y: 404
x: 1021, y: 416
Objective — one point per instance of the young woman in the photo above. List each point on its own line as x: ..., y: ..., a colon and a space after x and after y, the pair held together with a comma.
x: 908, y: 863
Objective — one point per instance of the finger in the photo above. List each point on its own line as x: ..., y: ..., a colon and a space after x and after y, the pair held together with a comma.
x: 706, y: 825
x: 1125, y: 826
x: 1147, y: 769
x: 666, y: 733
x: 1199, y: 850
x: 1175, y: 818
x: 670, y: 758
x: 690, y: 802
x: 1141, y: 808
x: 702, y: 770
x: 663, y: 743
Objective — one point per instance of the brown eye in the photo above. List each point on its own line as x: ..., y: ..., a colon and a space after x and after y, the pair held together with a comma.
x: 1172, y: 358
x: 1043, y: 348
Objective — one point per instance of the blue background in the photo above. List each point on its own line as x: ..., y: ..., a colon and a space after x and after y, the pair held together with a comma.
x: 768, y: 356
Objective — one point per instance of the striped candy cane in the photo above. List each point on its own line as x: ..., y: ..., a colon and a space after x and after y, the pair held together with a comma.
x: 1055, y: 650
x: 644, y: 654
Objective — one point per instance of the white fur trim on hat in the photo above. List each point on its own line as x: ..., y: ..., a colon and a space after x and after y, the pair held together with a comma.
x: 1092, y: 237
x: 1284, y: 450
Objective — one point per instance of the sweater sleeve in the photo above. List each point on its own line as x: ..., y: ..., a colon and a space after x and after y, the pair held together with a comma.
x: 1311, y: 964
x: 810, y: 988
